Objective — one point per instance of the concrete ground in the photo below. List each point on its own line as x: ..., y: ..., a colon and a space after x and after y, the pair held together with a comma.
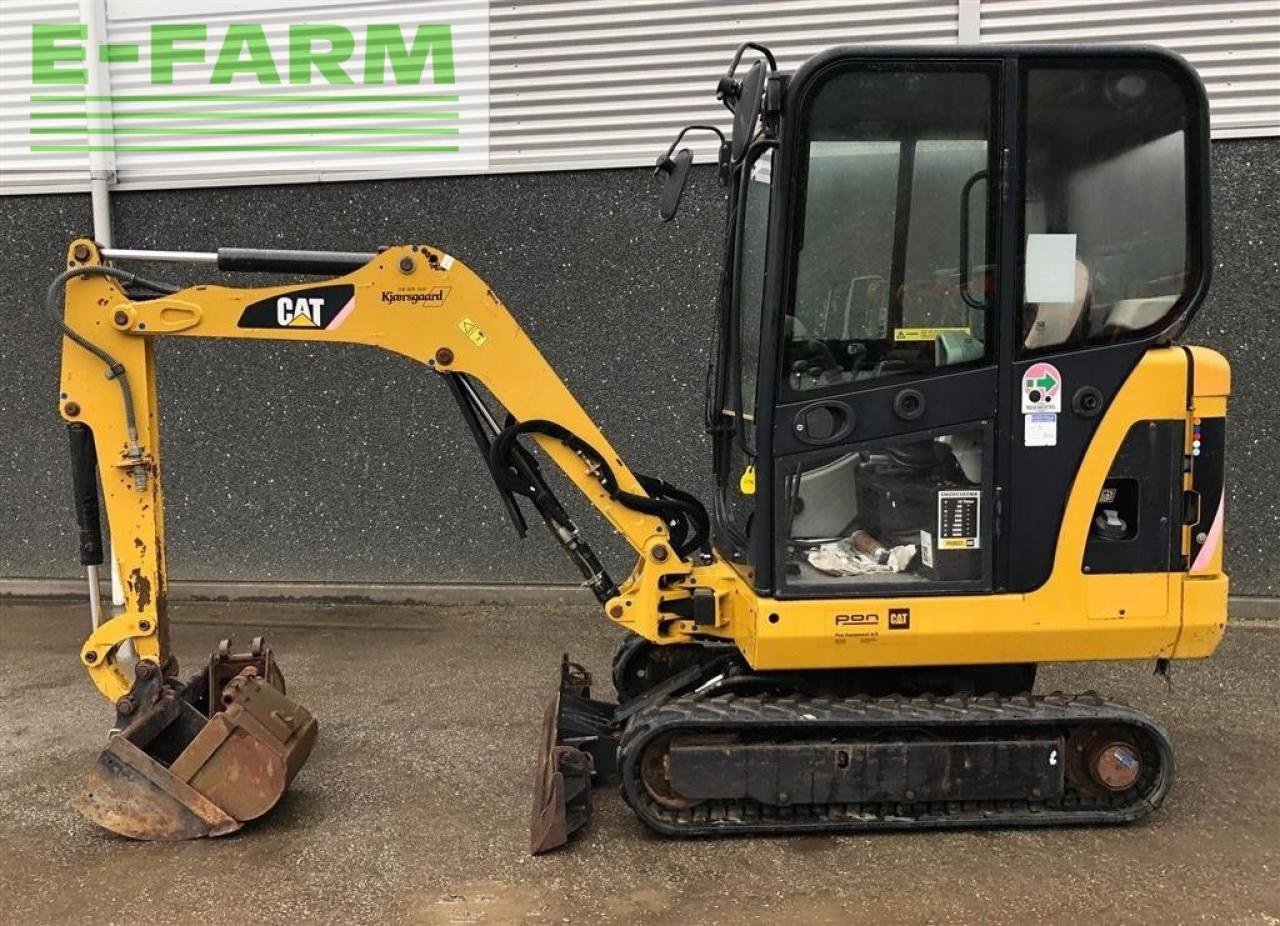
x: 414, y: 807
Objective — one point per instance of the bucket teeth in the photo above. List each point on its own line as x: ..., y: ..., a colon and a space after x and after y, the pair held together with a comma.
x: 196, y: 760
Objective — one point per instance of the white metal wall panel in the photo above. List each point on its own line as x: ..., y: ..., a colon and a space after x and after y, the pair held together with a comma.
x: 1234, y: 44
x: 315, y: 131
x: 589, y: 83
x: 574, y: 84
x: 191, y: 132
x: 20, y: 168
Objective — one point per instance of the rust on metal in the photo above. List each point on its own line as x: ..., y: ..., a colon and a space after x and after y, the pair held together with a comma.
x: 140, y: 585
x: 562, y: 772
x: 548, y: 828
x: 1102, y: 760
x: 195, y: 760
x: 133, y: 795
x: 655, y: 773
x: 1116, y: 766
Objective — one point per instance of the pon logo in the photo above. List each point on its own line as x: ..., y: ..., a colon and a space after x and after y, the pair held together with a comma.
x: 324, y: 307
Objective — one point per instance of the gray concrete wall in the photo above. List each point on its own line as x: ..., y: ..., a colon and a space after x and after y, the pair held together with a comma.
x: 322, y: 463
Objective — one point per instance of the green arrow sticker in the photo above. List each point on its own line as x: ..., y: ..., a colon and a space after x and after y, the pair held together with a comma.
x: 1041, y: 389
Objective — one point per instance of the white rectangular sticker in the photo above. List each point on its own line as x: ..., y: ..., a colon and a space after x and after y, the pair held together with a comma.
x: 1040, y: 429
x: 926, y: 549
x: 1051, y: 268
x: 959, y: 517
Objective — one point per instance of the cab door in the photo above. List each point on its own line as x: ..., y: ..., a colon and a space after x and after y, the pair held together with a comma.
x: 882, y: 469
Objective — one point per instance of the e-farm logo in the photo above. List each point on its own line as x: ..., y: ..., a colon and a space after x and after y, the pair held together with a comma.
x: 264, y: 72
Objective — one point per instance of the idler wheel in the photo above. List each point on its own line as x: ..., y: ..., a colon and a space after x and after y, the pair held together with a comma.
x: 655, y: 774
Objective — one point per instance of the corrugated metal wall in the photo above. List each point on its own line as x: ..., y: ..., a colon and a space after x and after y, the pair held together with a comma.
x: 606, y: 84
x: 1234, y: 45
x: 598, y: 83
x: 314, y: 131
x: 18, y: 171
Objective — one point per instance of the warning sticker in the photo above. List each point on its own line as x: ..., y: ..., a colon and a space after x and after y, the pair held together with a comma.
x: 473, y: 332
x: 926, y: 549
x: 1041, y: 389
x: 958, y: 519
x: 922, y: 334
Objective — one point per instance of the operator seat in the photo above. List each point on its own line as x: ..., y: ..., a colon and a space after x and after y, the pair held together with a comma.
x: 1053, y: 323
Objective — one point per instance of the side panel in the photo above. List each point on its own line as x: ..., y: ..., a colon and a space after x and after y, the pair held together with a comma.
x: 1126, y: 616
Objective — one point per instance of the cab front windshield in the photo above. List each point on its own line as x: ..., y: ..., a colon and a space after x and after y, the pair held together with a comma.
x: 892, y: 273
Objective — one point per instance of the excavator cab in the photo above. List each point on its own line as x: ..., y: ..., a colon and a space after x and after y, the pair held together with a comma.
x: 945, y: 266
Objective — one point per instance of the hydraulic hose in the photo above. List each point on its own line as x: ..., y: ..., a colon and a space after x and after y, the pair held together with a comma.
x: 115, y: 369
x: 673, y: 507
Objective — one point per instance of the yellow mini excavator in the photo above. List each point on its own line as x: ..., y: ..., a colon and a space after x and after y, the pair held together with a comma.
x: 952, y: 439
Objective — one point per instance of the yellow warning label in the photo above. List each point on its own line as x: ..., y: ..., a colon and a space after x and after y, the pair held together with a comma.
x: 473, y: 332
x: 747, y: 484
x: 922, y: 334
x: 957, y: 543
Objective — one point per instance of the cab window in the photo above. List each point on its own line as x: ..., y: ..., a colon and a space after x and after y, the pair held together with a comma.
x: 892, y: 274
x: 1105, y: 246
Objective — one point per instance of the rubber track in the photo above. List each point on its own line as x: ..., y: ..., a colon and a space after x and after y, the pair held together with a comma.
x: 961, y: 716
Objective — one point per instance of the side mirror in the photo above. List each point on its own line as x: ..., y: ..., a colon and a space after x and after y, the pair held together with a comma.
x: 676, y: 170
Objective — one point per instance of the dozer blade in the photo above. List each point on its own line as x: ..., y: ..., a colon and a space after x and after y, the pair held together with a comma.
x: 197, y: 759
x: 578, y: 748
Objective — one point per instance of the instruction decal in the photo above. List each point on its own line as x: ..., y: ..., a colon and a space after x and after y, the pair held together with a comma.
x: 959, y: 515
x: 1041, y: 389
x: 922, y: 334
x: 324, y: 307
x: 472, y: 331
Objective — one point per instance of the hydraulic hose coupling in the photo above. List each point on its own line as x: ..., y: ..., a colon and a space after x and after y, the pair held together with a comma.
x: 137, y: 467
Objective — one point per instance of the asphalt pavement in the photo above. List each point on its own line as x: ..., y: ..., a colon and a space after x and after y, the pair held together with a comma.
x: 415, y: 805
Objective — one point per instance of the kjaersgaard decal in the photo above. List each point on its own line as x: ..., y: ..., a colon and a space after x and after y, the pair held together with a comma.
x: 436, y: 295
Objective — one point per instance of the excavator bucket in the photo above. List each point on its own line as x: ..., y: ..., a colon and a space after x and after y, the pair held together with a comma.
x: 200, y: 758
x: 577, y: 749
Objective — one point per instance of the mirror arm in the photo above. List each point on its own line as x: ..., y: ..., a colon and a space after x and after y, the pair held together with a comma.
x: 755, y: 46
x: 664, y: 161
x: 727, y: 88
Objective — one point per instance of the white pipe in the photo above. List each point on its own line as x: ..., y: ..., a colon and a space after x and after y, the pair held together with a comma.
x: 95, y: 598
x: 969, y: 25
x: 162, y: 257
x: 102, y: 171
